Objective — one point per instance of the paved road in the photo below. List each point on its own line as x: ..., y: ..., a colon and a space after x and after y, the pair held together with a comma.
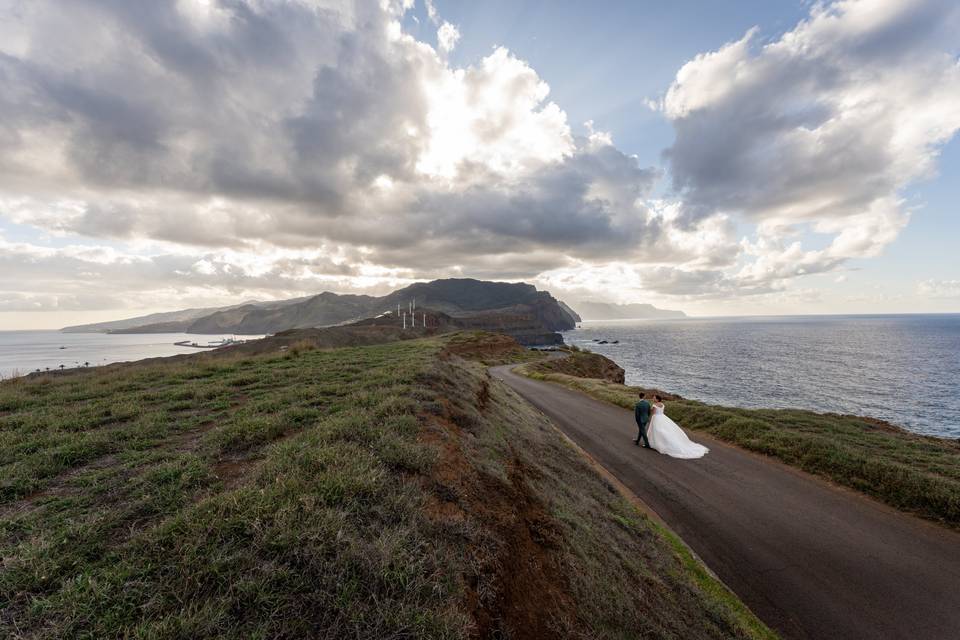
x: 810, y: 559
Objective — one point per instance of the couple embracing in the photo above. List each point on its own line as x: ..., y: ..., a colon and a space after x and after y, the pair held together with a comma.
x: 662, y: 434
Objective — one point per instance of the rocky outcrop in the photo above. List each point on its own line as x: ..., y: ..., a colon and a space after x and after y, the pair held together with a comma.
x: 584, y: 365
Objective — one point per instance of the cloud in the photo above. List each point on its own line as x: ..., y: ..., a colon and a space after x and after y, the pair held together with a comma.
x: 945, y: 289
x: 30, y: 302
x: 447, y: 37
x: 293, y: 123
x: 431, y: 11
x: 75, y: 276
x: 820, y: 128
x: 271, y: 147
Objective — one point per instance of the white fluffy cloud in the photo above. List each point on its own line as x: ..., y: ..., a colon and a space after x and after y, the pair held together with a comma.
x: 277, y: 147
x: 944, y: 289
x: 173, y: 276
x: 819, y: 129
x: 447, y: 37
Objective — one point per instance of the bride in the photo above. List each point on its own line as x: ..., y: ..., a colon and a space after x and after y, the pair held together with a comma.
x: 666, y: 437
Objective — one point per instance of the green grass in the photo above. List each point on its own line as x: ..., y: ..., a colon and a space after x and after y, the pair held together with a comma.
x: 490, y: 348
x: 386, y: 491
x: 719, y: 596
x: 581, y: 363
x: 914, y: 473
x: 261, y: 497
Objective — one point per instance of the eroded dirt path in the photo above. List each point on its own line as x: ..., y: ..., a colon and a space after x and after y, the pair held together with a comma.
x: 812, y: 560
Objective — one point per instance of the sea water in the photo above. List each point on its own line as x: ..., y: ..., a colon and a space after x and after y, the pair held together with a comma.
x: 22, y: 352
x: 904, y: 369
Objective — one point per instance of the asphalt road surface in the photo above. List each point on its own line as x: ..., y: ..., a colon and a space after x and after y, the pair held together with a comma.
x: 812, y: 560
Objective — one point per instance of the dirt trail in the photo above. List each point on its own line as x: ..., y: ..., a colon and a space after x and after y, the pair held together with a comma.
x: 810, y: 559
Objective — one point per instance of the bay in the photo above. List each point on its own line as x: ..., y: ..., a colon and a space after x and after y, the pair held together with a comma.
x: 22, y: 352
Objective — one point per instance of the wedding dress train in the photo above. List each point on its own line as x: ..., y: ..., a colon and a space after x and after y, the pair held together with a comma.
x: 668, y: 438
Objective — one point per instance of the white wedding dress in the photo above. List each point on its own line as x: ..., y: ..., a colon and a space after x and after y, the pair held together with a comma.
x: 668, y: 438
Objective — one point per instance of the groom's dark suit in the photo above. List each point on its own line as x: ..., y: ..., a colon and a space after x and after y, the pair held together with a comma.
x: 641, y: 412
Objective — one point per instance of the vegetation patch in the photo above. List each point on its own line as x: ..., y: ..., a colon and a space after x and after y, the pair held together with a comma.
x: 385, y: 491
x: 581, y: 364
x: 490, y: 348
x: 554, y: 549
x: 914, y: 473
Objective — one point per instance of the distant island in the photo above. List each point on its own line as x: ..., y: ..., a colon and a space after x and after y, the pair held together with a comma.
x: 636, y: 311
x: 517, y: 309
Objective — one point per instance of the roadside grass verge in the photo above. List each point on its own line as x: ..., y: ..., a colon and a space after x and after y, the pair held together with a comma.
x: 384, y: 491
x: 576, y: 559
x: 914, y: 473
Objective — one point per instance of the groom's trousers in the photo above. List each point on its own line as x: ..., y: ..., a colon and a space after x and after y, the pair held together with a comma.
x: 642, y: 433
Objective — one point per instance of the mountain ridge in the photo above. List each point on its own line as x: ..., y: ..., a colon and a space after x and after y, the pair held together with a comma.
x: 483, y: 302
x: 168, y: 318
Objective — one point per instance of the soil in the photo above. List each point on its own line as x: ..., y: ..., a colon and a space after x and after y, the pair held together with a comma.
x: 519, y: 589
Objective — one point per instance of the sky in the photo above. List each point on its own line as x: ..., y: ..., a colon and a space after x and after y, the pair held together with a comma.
x: 756, y: 157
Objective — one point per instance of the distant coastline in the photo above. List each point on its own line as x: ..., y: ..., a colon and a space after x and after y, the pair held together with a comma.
x: 598, y: 311
x: 24, y: 352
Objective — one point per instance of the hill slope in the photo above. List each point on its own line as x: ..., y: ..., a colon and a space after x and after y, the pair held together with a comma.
x: 318, y: 311
x: 462, y: 297
x: 391, y: 490
x: 180, y: 319
x: 484, y: 302
x: 169, y: 321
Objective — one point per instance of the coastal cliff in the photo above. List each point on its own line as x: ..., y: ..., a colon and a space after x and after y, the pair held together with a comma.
x: 582, y: 364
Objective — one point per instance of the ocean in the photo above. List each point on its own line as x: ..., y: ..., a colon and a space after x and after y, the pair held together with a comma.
x: 24, y: 351
x: 904, y: 369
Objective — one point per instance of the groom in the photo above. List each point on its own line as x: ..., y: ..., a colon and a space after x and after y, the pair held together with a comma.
x: 641, y: 412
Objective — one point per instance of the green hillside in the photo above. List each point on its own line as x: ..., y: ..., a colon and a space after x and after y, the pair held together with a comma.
x: 385, y: 491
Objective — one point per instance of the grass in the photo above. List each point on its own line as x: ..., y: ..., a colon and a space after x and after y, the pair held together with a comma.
x: 581, y: 363
x: 747, y: 623
x: 385, y: 491
x: 490, y: 348
x: 261, y: 497
x: 615, y: 572
x: 914, y: 473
